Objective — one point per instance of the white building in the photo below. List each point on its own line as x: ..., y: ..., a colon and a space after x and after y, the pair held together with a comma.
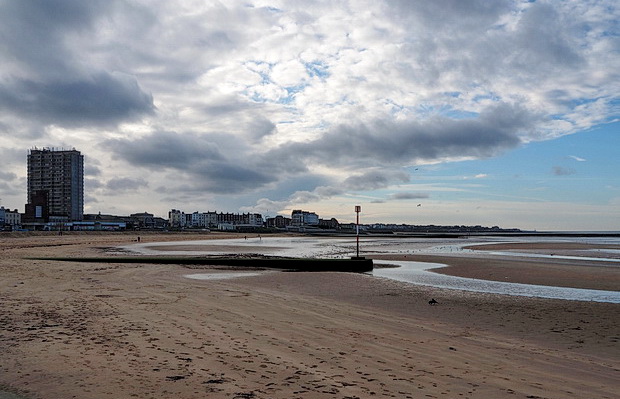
x: 10, y: 218
x: 13, y: 218
x: 198, y: 220
x: 176, y: 218
x: 210, y: 219
x: 304, y: 218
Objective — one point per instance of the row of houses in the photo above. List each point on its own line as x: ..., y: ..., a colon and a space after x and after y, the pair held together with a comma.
x: 300, y: 220
x: 178, y: 219
x: 13, y: 220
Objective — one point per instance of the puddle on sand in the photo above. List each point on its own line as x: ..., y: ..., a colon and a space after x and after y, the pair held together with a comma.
x: 218, y: 276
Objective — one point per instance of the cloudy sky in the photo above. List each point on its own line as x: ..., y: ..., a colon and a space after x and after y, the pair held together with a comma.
x: 423, y: 112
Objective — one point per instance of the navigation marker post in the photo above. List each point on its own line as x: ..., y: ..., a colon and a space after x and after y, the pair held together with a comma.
x: 358, y: 209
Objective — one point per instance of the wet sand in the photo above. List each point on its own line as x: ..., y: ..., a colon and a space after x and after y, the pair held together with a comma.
x: 540, y: 271
x: 229, y: 249
x: 138, y: 330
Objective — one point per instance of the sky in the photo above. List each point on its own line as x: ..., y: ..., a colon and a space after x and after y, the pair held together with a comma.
x: 446, y: 112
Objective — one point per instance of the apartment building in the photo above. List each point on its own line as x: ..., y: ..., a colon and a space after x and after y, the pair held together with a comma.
x: 304, y: 218
x: 59, y: 175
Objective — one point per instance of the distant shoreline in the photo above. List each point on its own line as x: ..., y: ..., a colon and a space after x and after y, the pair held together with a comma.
x: 463, y: 233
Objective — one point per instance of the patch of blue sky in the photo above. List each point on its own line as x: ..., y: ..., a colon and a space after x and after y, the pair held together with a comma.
x: 394, y: 107
x: 447, y: 111
x: 459, y: 114
x: 613, y: 31
x: 580, y: 168
x: 581, y: 101
x: 268, y: 8
x: 253, y: 64
x: 483, y: 97
x: 317, y: 69
x: 273, y: 9
x: 291, y: 91
x: 254, y: 96
x: 322, y: 125
x: 614, y: 104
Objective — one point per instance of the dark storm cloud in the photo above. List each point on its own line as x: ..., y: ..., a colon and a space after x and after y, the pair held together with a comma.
x: 452, y: 15
x: 89, y: 199
x: 90, y: 169
x: 4, y: 176
x: 388, y: 143
x: 225, y: 177
x: 543, y: 40
x: 260, y: 127
x: 49, y: 81
x: 471, y: 42
x: 374, y: 180
x: 92, y: 184
x: 102, y: 99
x: 165, y: 149
x: 124, y: 184
x: 34, y: 31
x: 196, y: 156
x: 407, y: 196
x: 15, y: 155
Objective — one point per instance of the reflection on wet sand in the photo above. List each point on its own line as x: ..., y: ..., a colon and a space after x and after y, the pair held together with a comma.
x: 393, y: 251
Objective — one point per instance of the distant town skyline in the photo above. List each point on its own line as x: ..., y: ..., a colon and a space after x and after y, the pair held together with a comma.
x: 439, y: 112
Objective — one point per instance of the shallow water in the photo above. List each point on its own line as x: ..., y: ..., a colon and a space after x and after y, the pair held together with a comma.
x: 411, y: 272
x: 220, y: 276
x: 418, y: 273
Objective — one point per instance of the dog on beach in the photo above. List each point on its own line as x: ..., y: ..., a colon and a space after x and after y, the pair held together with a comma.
x: 433, y: 302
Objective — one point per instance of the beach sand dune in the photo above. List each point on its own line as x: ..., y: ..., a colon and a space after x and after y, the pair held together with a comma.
x: 71, y: 330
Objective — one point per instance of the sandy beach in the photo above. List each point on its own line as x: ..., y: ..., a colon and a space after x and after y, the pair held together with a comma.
x: 71, y: 330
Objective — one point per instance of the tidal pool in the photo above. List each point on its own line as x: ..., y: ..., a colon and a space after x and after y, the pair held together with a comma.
x: 410, y: 272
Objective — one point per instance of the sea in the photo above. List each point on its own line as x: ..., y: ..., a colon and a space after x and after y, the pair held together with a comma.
x: 410, y: 272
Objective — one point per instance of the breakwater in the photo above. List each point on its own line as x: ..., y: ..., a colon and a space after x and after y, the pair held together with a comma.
x: 355, y: 265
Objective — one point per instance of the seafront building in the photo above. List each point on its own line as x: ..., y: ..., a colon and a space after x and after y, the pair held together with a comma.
x: 301, y: 218
x: 12, y: 218
x: 178, y: 219
x: 55, y: 185
x: 9, y: 219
